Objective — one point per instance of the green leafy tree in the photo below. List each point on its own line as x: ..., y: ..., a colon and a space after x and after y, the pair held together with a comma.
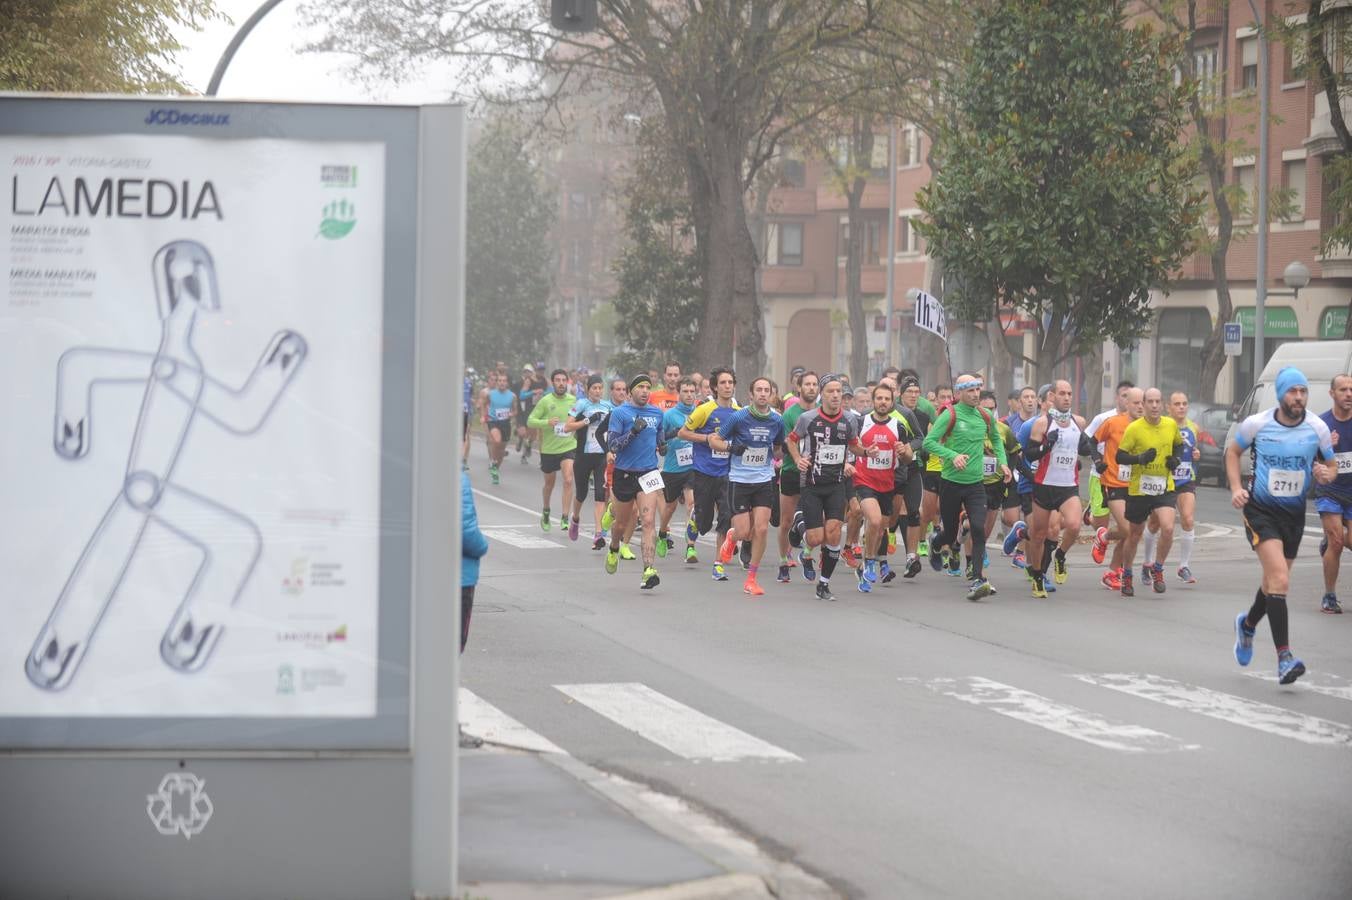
x: 103, y: 46
x: 507, y: 253
x: 1065, y: 190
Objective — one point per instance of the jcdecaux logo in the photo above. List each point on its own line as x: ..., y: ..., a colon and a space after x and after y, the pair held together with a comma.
x: 170, y: 116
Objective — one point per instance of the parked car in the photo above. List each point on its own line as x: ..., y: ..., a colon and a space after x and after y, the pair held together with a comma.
x: 1214, y: 421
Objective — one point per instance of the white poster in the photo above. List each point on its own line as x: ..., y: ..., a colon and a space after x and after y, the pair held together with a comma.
x: 190, y: 348
x: 929, y: 315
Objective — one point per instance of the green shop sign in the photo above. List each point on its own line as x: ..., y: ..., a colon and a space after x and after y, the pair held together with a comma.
x: 1278, y: 321
x: 1332, y: 322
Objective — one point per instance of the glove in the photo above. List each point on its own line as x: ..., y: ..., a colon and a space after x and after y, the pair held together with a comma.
x: 1171, y: 462
x: 579, y: 417
x: 596, y: 417
x: 639, y: 424
x: 737, y: 449
x: 1050, y: 438
x: 662, y: 449
x: 1101, y: 466
x: 1148, y: 455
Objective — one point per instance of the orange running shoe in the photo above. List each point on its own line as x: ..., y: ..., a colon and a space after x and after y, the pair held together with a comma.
x: 848, y: 556
x: 728, y: 548
x: 752, y: 588
x: 1100, y: 549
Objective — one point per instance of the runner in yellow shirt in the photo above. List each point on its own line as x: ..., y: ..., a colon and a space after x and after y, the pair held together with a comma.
x: 1151, y: 446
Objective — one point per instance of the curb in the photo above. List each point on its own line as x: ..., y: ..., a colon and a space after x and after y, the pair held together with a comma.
x: 753, y: 873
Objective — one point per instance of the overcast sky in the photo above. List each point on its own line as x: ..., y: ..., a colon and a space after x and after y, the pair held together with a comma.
x: 269, y: 67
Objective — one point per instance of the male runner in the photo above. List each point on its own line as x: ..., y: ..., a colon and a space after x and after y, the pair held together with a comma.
x: 789, y: 476
x: 709, y: 477
x: 754, y: 436
x: 875, y: 478
x: 676, y: 470
x: 635, y: 437
x: 499, y: 404
x: 1285, y: 444
x: 585, y: 420
x: 1150, y: 445
x: 1116, y: 479
x: 958, y: 437
x: 1024, y: 484
x: 1185, y: 486
x: 1097, y: 512
x: 1056, y: 441
x: 909, y: 478
x: 821, y: 438
x: 558, y: 445
x: 669, y: 395
x: 1027, y: 408
x: 1333, y: 501
x: 998, y: 491
x: 530, y: 393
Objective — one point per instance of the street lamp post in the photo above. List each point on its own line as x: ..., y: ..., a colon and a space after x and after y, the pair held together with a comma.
x: 229, y: 54
x: 891, y: 240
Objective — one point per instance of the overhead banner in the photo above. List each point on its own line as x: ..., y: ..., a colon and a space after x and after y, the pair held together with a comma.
x: 929, y: 315
x: 191, y: 343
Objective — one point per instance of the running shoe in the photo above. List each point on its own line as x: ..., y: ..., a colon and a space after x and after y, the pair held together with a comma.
x: 1039, y: 588
x: 1243, y: 640
x: 865, y: 586
x: 970, y: 572
x: 1185, y: 575
x: 938, y: 561
x: 612, y: 562
x: 847, y: 555
x: 796, y: 529
x: 718, y: 573
x: 607, y: 518
x: 752, y: 588
x: 1157, y: 578
x: 1018, y: 560
x: 809, y: 568
x: 891, y: 542
x: 563, y: 522
x: 493, y: 473
x: 626, y: 554
x: 1100, y: 549
x: 726, y: 549
x: 572, y: 529
x: 1112, y: 579
x: 955, y: 564
x: 1288, y: 667
x: 923, y: 549
x: 744, y: 554
x: 869, y: 572
x: 885, y: 573
x: 598, y: 542
x: 663, y: 545
x: 1330, y: 604
x: 650, y: 579
x: 1059, y: 573
x: 691, y: 533
x: 783, y: 576
x: 1018, y: 533
x: 980, y: 588
x: 1126, y: 589
x: 912, y: 566
x: 544, y: 520
x: 824, y: 591
x: 1145, y: 573
x: 690, y: 556
x: 1051, y: 588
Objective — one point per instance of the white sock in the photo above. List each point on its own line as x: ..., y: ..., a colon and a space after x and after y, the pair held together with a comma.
x: 1149, y: 544
x: 1185, y: 547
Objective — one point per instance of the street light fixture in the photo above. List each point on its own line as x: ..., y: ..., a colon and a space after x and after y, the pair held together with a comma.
x: 1296, y: 275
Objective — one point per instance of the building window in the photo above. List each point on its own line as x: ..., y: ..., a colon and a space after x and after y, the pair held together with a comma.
x: 908, y: 241
x: 1293, y: 180
x: 875, y: 239
x: 909, y: 155
x: 1205, y: 71
x: 878, y: 160
x: 1244, y: 177
x: 784, y: 244
x: 1248, y: 56
x: 792, y: 169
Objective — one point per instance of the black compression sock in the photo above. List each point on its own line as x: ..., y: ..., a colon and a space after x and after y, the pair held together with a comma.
x: 1277, y: 620
x: 829, y: 558
x: 1258, y: 610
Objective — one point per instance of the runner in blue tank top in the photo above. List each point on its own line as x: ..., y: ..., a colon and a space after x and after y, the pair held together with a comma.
x: 1333, y: 501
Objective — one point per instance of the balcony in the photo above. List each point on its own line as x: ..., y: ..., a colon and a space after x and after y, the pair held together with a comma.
x: 1322, y: 141
x: 1337, y: 263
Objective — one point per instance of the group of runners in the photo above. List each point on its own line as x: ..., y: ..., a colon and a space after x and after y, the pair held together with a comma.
x: 889, y: 472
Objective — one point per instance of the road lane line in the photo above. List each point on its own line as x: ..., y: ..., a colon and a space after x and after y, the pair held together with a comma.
x: 1317, y: 682
x: 512, y: 534
x: 482, y: 719
x: 1228, y: 708
x: 1070, y: 721
x: 533, y: 513
x: 672, y: 725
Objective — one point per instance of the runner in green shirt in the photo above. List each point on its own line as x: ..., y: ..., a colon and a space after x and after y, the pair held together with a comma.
x: 788, y: 472
x: 558, y: 446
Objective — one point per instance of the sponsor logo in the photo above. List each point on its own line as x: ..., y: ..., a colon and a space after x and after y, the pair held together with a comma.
x: 286, y: 680
x: 171, y: 116
x: 180, y: 806
x: 294, y: 583
x: 338, y: 176
x: 338, y: 219
x: 313, y: 637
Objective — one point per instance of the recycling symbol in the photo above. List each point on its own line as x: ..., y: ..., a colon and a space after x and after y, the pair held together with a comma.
x: 180, y: 806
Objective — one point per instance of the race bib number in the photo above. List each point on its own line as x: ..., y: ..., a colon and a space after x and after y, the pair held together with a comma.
x: 1344, y: 463
x: 882, y: 461
x: 1065, y: 459
x: 831, y: 454
x: 1183, y: 472
x: 502, y: 414
x: 1286, y: 482
x: 560, y: 430
x: 651, y: 482
x: 755, y: 456
x: 988, y: 466
x: 1154, y: 485
x: 685, y: 456
x: 719, y: 454
x: 1123, y: 472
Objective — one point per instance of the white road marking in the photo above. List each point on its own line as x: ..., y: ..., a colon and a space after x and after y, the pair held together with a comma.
x: 1228, y: 708
x: 670, y: 724
x: 1318, y: 682
x: 482, y: 719
x: 511, y: 534
x: 534, y: 513
x: 1061, y: 718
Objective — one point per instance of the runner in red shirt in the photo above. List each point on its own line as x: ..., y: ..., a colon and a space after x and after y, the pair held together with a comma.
x: 875, y: 479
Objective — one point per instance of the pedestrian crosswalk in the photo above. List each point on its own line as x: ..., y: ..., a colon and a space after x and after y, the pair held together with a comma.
x: 691, y: 734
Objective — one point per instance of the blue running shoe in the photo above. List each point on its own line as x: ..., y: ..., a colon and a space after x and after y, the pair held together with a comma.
x: 691, y: 533
x: 885, y: 573
x: 938, y: 561
x: 1018, y: 533
x: 1289, y: 668
x: 1051, y: 586
x: 870, y: 571
x: 1243, y: 641
x: 719, y: 574
x: 809, y: 568
x: 865, y: 586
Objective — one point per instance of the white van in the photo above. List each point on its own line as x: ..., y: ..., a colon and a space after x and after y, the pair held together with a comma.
x: 1319, y: 360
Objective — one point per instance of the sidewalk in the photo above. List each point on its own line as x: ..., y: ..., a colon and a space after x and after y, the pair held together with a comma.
x: 548, y: 827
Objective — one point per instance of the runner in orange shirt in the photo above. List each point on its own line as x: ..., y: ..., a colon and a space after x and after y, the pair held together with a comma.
x: 1116, y: 479
x: 670, y: 394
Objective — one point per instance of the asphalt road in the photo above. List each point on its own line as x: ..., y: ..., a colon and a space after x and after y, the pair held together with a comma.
x: 908, y: 743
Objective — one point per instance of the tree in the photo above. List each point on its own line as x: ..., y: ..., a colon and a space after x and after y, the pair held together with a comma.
x: 95, y: 46
x: 1064, y: 190
x: 724, y: 76
x: 507, y: 257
